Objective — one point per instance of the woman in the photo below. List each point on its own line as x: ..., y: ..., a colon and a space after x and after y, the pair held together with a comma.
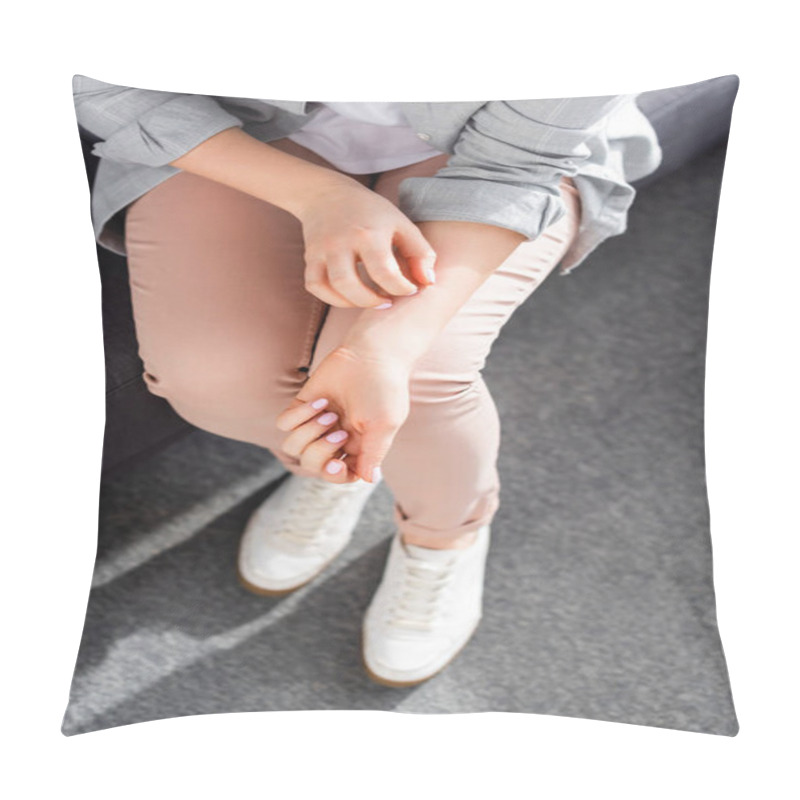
x: 326, y: 281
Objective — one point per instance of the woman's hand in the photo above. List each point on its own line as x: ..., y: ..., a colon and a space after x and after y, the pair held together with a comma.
x: 346, y: 224
x: 370, y: 398
x: 343, y: 222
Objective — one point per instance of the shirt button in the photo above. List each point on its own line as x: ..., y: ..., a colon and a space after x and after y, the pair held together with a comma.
x: 424, y: 136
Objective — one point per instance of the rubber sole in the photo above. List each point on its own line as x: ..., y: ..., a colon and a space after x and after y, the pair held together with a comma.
x: 405, y: 684
x: 259, y: 590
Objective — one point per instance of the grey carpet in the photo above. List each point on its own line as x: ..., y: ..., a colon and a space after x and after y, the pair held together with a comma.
x: 599, y: 600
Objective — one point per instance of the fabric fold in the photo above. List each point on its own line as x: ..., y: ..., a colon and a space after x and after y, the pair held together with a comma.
x: 522, y: 209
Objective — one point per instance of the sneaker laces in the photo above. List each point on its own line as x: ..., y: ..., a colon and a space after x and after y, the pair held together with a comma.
x: 418, y: 604
x: 312, y: 507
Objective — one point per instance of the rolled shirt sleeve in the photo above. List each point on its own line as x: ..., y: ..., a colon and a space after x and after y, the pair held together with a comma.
x: 140, y: 126
x: 508, y: 162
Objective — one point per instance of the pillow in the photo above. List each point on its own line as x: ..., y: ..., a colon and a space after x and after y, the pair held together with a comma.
x: 598, y: 598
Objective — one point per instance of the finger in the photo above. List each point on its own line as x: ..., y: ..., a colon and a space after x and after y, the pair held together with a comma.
x: 336, y: 471
x: 418, y: 254
x: 300, y: 411
x: 302, y: 436
x: 341, y: 468
x: 316, y: 283
x: 344, y: 278
x: 375, y: 444
x: 383, y: 269
x: 326, y: 449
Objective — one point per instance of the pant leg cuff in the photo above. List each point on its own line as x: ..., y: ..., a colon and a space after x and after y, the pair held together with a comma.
x: 482, y: 515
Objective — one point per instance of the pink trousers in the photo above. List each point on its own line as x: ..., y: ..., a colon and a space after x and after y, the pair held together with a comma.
x: 228, y: 335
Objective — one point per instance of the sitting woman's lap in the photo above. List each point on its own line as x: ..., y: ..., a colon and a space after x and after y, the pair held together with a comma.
x: 227, y: 331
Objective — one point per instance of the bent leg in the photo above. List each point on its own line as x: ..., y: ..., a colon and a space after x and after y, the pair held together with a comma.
x: 442, y: 466
x: 225, y: 326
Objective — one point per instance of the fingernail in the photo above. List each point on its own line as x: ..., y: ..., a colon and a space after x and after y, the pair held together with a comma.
x: 383, y: 305
x: 376, y: 474
x: 326, y: 419
x: 332, y: 467
x: 321, y: 403
x: 336, y: 436
x: 416, y: 289
x: 430, y: 275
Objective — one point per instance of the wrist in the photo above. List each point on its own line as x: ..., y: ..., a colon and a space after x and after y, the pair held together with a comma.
x: 467, y: 254
x: 317, y: 188
x: 372, y: 344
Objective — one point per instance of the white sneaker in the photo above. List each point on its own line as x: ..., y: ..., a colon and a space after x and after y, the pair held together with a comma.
x: 298, y: 531
x: 425, y: 610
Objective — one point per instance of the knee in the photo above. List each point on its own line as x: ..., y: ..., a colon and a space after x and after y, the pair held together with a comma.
x: 230, y: 388
x: 434, y: 387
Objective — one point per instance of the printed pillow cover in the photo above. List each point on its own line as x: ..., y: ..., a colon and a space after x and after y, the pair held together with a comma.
x: 598, y: 599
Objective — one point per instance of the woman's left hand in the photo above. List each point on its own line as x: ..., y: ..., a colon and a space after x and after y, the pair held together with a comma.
x: 369, y: 395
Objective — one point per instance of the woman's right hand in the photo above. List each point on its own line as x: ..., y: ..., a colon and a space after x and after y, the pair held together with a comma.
x: 348, y: 223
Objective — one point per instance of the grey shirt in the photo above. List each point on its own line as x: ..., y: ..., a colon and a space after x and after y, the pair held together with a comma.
x: 507, y: 157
